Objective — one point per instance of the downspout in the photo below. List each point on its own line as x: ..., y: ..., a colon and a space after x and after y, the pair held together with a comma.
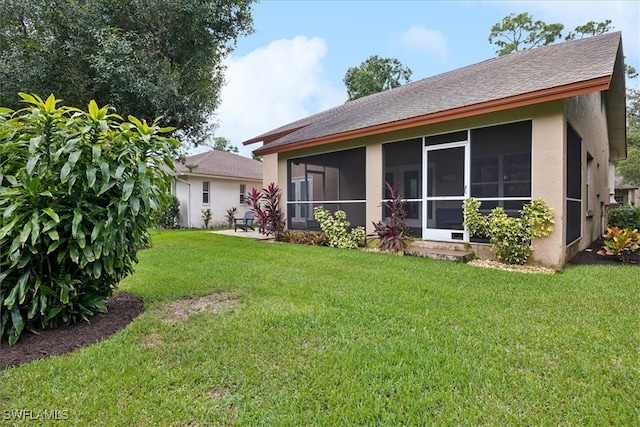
x: 612, y: 183
x: 188, y: 201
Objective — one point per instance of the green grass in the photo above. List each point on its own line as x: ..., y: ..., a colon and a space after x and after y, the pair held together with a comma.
x: 325, y: 336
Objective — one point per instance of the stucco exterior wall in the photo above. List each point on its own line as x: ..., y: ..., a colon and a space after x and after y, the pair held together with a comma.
x: 586, y: 115
x: 548, y: 181
x: 223, y: 194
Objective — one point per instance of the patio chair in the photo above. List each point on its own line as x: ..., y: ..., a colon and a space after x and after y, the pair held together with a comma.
x: 245, y: 222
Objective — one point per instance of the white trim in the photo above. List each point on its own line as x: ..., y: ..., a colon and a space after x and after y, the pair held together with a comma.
x: 435, y: 233
x: 317, y: 202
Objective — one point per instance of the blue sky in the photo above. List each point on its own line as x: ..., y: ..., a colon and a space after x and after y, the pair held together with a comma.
x: 294, y: 63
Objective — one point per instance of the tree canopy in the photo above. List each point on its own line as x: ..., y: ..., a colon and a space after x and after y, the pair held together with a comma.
x: 629, y: 169
x: 375, y: 75
x: 521, y: 32
x: 221, y: 143
x: 144, y: 58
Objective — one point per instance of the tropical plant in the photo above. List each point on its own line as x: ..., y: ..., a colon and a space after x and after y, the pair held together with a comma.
x: 78, y: 190
x: 620, y: 242
x: 511, y: 237
x: 337, y: 229
x: 231, y: 216
x: 392, y: 234
x: 265, y: 205
x: 304, y: 237
x: 206, y: 217
x: 474, y: 221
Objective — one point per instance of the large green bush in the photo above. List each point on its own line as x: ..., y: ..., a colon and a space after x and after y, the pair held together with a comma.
x: 338, y: 230
x: 511, y: 237
x: 168, y: 213
x: 624, y: 217
x: 77, y: 193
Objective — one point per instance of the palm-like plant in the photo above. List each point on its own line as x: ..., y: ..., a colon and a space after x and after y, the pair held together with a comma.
x: 392, y: 233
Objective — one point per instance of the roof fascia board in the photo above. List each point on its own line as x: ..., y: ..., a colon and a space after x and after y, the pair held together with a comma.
x: 269, y: 138
x: 522, y: 100
x: 233, y: 178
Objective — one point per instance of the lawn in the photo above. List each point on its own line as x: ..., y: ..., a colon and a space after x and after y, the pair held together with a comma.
x: 323, y: 336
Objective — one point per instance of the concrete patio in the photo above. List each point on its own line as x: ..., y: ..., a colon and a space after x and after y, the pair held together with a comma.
x: 253, y: 234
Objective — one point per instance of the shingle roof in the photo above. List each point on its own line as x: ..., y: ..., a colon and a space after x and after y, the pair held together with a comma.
x: 221, y: 164
x: 503, y: 78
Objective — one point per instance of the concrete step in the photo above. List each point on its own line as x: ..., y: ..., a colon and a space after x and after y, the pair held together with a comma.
x: 445, y: 254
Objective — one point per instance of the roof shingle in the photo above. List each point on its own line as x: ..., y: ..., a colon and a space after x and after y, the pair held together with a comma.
x: 221, y: 164
x: 495, y: 79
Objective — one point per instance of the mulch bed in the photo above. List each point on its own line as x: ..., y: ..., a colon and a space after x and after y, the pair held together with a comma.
x: 123, y: 308
x: 590, y: 257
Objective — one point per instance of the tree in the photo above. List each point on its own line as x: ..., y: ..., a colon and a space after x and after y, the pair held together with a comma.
x: 223, y: 144
x: 375, y: 75
x: 144, y: 58
x: 629, y: 169
x: 78, y: 192
x: 521, y: 32
x: 590, y: 29
x: 593, y: 28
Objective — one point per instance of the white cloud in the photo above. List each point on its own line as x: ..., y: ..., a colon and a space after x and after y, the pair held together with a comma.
x: 422, y: 40
x: 272, y: 86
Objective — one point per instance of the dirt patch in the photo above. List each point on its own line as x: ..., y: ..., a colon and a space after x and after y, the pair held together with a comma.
x: 122, y: 309
x: 181, y: 310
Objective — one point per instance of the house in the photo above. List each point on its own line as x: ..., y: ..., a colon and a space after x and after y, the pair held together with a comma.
x: 216, y: 180
x: 544, y: 123
x: 626, y: 194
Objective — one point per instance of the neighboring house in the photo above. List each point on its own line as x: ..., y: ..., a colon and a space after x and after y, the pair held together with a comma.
x: 216, y: 180
x: 544, y: 123
x: 627, y: 194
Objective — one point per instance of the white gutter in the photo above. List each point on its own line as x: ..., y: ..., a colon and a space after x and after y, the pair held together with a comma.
x: 612, y: 183
x: 189, y: 225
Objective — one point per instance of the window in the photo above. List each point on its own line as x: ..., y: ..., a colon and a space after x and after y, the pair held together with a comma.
x: 205, y: 192
x: 335, y: 181
x: 574, y: 186
x: 501, y: 166
x: 243, y: 192
x: 589, y: 185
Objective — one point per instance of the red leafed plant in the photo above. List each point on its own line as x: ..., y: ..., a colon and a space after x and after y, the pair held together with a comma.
x: 392, y: 233
x: 265, y: 204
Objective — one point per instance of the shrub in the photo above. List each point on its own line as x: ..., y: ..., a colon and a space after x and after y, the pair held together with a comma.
x: 77, y: 194
x: 231, y: 216
x: 265, y: 205
x: 168, y: 214
x: 206, y: 217
x: 304, y: 237
x: 624, y: 217
x: 391, y: 233
x: 511, y: 238
x: 474, y: 221
x: 336, y: 229
x: 620, y: 242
